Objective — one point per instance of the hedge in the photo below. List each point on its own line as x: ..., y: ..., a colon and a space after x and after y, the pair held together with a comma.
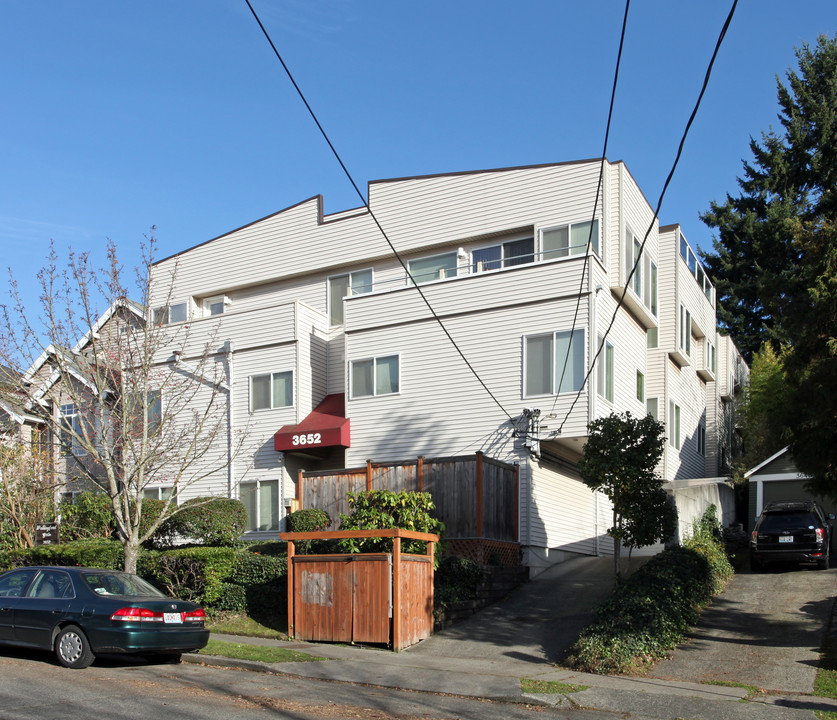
x: 651, y: 611
x: 204, y: 521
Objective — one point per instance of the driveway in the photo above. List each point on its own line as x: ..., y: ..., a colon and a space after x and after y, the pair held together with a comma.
x: 764, y: 630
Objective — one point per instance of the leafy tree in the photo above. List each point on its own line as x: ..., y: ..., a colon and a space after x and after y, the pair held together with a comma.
x: 619, y: 459
x: 761, y: 267
x: 775, y: 258
x: 131, y: 403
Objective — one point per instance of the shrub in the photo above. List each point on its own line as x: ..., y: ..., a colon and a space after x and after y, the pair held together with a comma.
x: 456, y: 580
x: 193, y: 573
x: 650, y: 612
x: 214, y: 521
x: 383, y: 509
x: 90, y: 515
x: 98, y: 553
x: 308, y: 520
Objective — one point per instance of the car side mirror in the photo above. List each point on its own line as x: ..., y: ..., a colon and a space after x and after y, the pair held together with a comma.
x: 831, y: 516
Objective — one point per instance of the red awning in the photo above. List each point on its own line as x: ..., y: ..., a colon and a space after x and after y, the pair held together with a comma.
x: 325, y: 426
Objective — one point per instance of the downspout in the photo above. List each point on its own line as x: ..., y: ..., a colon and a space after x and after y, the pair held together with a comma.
x: 229, y: 348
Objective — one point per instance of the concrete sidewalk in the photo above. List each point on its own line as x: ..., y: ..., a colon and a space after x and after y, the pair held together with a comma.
x: 489, y: 654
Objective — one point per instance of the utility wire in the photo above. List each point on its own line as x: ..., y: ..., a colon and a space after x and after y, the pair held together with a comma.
x: 595, y: 205
x: 372, y: 215
x: 656, y: 212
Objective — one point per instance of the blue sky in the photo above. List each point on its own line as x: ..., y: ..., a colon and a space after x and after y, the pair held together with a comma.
x: 122, y: 115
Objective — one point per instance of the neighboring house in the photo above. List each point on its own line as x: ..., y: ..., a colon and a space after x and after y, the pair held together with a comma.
x: 777, y: 479
x: 333, y: 356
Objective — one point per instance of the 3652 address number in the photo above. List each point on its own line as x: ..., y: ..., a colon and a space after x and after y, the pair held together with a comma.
x: 307, y: 439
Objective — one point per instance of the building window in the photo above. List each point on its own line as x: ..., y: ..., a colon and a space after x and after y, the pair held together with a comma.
x: 640, y: 386
x: 261, y: 498
x: 651, y: 407
x: 508, y: 254
x: 374, y: 376
x: 167, y: 315
x: 215, y: 305
x: 711, y: 357
x: 159, y: 493
x: 568, y: 240
x: 272, y: 390
x: 685, y: 330
x: 339, y: 286
x: 435, y: 267
x: 71, y: 430
x: 674, y: 425
x: 701, y: 438
x: 604, y: 370
x: 544, y: 363
x: 644, y: 280
x: 652, y: 338
x: 696, y: 270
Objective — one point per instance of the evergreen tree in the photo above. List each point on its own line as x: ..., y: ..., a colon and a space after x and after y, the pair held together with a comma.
x: 775, y: 257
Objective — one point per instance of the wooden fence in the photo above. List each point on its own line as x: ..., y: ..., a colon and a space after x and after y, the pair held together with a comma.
x: 365, y: 597
x: 475, y: 496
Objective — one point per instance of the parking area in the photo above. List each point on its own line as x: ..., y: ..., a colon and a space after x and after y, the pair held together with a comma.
x: 764, y: 630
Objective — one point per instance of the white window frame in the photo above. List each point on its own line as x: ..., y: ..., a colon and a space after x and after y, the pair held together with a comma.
x: 271, y: 375
x: 674, y: 424
x: 275, y: 511
x: 571, y: 250
x: 653, y: 402
x: 606, y: 370
x: 374, y: 360
x: 652, y: 338
x: 72, y: 418
x: 352, y: 288
x: 711, y: 359
x: 640, y: 386
x: 575, y: 342
x: 701, y: 438
x: 685, y: 330
x: 441, y: 274
x: 644, y: 283
x: 163, y: 315
x: 504, y: 261
x: 207, y: 304
x: 160, y: 492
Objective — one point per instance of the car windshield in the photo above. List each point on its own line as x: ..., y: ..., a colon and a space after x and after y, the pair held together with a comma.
x: 116, y: 583
x: 776, y: 522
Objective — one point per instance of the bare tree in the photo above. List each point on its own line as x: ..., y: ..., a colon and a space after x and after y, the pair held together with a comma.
x: 133, y: 404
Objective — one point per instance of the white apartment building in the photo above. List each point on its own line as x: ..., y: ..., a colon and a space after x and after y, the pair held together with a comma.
x: 333, y: 356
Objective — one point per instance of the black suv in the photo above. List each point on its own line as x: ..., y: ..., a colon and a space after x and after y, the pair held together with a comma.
x: 793, y: 532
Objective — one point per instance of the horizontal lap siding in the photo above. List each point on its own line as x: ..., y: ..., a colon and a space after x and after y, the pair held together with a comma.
x: 415, y: 213
x: 441, y: 407
x: 564, y: 514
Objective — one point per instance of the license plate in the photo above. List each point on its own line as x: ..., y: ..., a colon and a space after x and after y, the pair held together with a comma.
x: 172, y: 618
x: 785, y: 538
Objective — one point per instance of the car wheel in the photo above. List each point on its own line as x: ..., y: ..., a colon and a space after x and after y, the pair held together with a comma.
x: 73, y: 649
x: 824, y: 563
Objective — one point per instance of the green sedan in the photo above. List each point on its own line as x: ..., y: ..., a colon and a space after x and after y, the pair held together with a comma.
x: 81, y: 612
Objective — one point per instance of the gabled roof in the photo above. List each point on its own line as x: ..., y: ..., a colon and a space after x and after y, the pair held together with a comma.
x: 766, y: 462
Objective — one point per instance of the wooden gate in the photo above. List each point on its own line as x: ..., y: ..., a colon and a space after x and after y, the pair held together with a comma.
x: 364, y: 597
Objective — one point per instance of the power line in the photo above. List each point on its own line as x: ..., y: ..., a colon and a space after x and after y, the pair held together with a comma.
x: 372, y: 215
x: 595, y: 204
x: 721, y: 37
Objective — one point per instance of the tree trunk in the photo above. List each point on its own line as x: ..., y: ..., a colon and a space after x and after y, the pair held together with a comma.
x: 131, y: 550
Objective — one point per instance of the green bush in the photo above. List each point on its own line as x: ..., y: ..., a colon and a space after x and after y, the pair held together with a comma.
x: 308, y: 520
x: 231, y: 598
x: 88, y: 516
x: 456, y: 580
x: 383, y: 509
x: 192, y: 573
x: 651, y: 611
x: 96, y: 553
x: 215, y: 521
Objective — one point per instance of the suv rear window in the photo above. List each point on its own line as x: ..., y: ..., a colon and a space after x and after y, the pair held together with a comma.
x: 776, y: 522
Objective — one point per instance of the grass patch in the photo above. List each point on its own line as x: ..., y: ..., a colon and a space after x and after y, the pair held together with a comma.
x: 825, y: 684
x: 259, y: 653
x: 239, y: 624
x: 545, y: 687
x: 752, y: 690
